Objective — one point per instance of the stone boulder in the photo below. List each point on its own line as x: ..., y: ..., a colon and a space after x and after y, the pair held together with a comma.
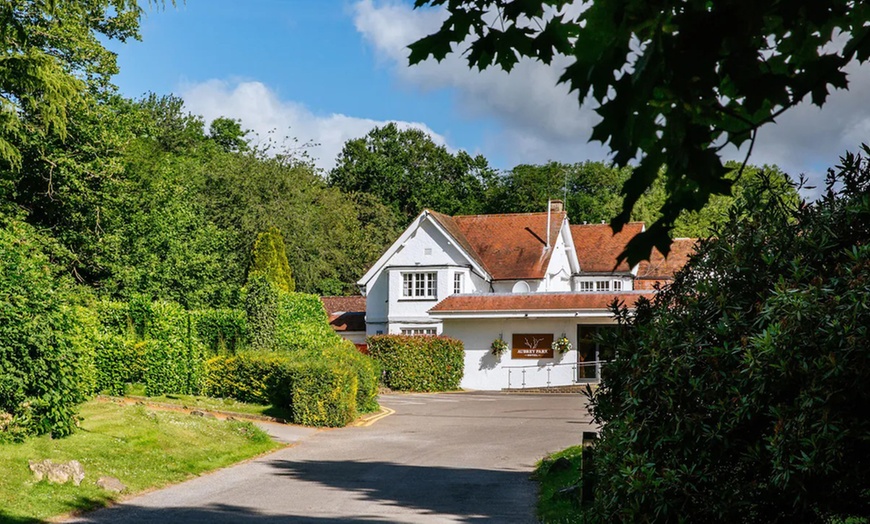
x: 111, y: 484
x: 59, y: 473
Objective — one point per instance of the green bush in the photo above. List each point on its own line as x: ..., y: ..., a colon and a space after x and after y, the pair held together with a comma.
x: 366, y: 370
x: 301, y: 323
x: 740, y: 392
x: 323, y: 394
x: 222, y: 331
x: 118, y: 361
x: 318, y: 393
x: 282, y: 321
x: 39, y: 364
x: 413, y: 363
x: 114, y: 317
x: 247, y: 377
x: 158, y: 347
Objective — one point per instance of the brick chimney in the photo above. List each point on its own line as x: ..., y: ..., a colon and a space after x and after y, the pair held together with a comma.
x: 556, y: 206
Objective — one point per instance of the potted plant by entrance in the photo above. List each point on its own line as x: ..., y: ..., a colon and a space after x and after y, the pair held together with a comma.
x: 498, y: 347
x: 562, y: 345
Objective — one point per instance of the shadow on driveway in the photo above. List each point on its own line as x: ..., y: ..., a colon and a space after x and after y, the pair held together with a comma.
x: 469, y: 495
x: 358, y: 492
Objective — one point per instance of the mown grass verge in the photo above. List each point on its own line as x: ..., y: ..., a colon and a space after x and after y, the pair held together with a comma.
x: 557, y: 479
x: 229, y: 405
x: 142, y: 448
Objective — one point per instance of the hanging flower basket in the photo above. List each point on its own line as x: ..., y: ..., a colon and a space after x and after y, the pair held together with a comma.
x: 562, y: 345
x: 498, y: 347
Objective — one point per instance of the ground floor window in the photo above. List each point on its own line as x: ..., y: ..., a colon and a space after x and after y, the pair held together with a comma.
x: 419, y: 331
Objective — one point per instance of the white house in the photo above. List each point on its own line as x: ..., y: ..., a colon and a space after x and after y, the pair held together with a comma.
x: 525, y: 278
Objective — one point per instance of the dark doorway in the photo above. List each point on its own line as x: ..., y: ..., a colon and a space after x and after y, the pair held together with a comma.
x: 590, y: 353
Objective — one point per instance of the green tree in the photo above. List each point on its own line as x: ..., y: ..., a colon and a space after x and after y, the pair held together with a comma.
x: 739, y: 391
x: 269, y: 259
x: 674, y: 82
x: 408, y: 172
x: 228, y: 134
x: 52, y: 50
x: 331, y: 236
x: 591, y: 191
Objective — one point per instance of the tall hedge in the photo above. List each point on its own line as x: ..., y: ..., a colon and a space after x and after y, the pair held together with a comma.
x: 221, y: 331
x: 39, y: 364
x: 152, y: 342
x: 418, y: 363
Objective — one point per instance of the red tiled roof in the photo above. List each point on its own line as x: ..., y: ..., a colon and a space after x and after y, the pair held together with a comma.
x: 535, y: 301
x: 597, y: 247
x: 344, y: 304
x: 509, y: 247
x: 659, y: 267
x: 346, y: 313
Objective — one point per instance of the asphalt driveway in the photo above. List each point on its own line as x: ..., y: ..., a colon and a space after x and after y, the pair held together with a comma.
x: 463, y: 457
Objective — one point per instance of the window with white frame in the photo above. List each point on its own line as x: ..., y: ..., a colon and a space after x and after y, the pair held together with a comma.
x: 419, y: 331
x: 419, y: 285
x: 586, y: 285
x: 457, y: 283
x: 602, y: 285
x: 617, y: 285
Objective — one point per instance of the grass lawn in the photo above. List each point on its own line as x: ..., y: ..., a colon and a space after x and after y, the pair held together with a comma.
x: 143, y: 449
x: 215, y: 404
x: 554, y: 508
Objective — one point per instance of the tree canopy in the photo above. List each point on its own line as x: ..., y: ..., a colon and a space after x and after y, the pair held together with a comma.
x: 674, y: 82
x: 408, y: 171
x: 52, y: 50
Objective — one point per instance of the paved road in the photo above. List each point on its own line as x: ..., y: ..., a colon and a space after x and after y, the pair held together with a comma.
x: 445, y: 458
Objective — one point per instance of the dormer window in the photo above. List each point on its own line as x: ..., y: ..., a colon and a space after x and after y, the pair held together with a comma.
x: 419, y: 285
x: 586, y: 286
x: 617, y: 285
x: 457, y: 283
x: 602, y: 285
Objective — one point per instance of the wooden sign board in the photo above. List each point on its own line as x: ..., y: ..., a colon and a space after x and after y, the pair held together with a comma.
x: 532, y: 346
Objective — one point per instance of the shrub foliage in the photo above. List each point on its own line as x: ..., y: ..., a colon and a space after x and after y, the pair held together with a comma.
x: 317, y: 392
x: 415, y: 363
x: 740, y: 392
x: 39, y: 364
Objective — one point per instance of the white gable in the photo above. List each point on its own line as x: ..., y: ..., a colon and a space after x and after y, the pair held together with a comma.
x: 423, y: 243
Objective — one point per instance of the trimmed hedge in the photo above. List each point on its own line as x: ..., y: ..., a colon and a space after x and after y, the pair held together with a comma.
x: 317, y: 393
x: 367, y: 373
x: 418, y: 363
x: 222, y: 331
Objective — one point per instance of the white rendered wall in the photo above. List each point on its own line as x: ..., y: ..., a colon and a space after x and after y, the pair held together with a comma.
x: 483, y: 371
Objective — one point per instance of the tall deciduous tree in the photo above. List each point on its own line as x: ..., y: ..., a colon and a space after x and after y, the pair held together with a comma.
x: 407, y: 171
x: 674, y: 81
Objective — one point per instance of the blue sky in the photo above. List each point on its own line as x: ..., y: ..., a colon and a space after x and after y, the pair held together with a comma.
x: 327, y: 71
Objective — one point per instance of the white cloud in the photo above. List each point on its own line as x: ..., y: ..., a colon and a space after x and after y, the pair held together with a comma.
x: 262, y: 111
x: 541, y: 121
